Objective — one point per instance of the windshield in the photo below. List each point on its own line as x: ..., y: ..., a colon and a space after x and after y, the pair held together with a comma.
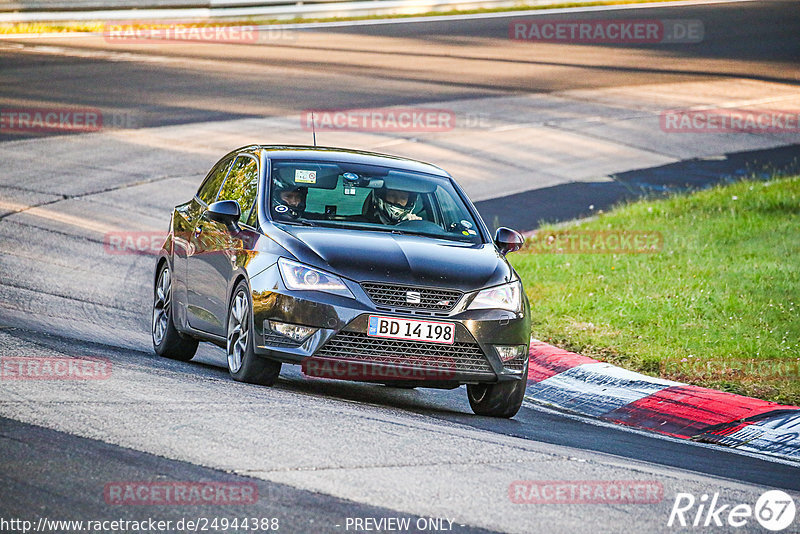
x: 368, y: 197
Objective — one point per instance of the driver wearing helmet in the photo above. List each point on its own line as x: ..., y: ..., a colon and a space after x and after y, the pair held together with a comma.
x: 391, y: 206
x: 289, y: 200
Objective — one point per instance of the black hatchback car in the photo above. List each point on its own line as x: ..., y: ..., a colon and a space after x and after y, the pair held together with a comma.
x: 354, y: 265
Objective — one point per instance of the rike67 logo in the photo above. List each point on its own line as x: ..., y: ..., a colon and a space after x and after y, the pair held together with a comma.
x: 774, y: 510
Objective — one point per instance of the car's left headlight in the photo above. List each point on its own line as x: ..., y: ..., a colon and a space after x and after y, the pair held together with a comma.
x: 504, y: 297
x: 297, y: 276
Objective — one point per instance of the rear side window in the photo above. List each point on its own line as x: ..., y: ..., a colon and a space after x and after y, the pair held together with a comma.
x: 242, y: 185
x: 208, y: 191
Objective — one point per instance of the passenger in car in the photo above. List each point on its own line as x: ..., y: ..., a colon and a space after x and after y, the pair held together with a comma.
x: 289, y: 200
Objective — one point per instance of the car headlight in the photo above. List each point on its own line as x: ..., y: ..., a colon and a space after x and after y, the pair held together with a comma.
x: 505, y: 297
x: 297, y: 276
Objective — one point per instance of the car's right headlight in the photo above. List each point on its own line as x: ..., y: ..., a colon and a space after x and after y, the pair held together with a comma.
x: 504, y: 297
x: 297, y: 276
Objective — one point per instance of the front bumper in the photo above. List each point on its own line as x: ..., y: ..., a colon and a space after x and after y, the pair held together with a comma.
x: 341, y: 348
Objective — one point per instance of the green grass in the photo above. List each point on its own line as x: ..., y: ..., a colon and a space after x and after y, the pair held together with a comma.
x: 100, y: 26
x: 717, y: 306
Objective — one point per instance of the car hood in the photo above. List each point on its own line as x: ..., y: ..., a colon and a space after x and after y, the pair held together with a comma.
x: 398, y: 258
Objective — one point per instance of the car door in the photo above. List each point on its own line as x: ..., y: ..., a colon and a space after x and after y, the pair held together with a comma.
x: 184, y: 220
x: 212, y: 257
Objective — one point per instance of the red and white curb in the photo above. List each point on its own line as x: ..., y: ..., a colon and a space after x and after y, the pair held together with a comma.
x: 585, y: 386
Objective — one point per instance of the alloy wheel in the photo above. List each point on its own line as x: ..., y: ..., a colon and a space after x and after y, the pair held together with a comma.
x: 161, y: 305
x: 238, y: 331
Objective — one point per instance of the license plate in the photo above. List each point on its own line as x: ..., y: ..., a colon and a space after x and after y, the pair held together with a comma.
x: 428, y: 331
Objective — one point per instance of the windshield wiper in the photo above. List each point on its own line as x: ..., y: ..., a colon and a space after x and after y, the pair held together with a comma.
x: 301, y: 222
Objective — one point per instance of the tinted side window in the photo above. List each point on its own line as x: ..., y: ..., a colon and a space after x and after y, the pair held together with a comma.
x: 242, y: 185
x: 208, y: 191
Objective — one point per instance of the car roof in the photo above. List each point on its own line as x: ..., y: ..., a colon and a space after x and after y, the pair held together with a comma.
x: 345, y: 155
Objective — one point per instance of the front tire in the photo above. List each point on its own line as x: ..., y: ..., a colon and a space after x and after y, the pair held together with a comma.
x: 244, y: 364
x: 502, y: 399
x: 167, y: 341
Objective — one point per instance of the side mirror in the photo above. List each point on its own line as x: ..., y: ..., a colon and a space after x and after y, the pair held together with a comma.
x: 508, y: 240
x: 226, y: 212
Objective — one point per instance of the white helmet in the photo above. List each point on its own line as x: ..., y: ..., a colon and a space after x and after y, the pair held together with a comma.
x: 390, y: 213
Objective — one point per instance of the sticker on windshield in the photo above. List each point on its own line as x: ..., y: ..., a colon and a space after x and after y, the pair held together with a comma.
x: 466, y: 224
x: 280, y: 208
x: 305, y: 177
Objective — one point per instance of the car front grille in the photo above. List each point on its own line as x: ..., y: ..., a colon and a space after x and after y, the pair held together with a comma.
x: 423, y: 298
x: 458, y: 357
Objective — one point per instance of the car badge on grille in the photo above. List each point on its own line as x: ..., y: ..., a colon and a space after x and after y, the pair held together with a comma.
x: 413, y: 297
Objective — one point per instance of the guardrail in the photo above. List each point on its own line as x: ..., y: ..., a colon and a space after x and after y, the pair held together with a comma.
x: 119, y: 10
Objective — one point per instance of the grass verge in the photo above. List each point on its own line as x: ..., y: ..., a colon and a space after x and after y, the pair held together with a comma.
x: 712, y: 299
x: 97, y: 26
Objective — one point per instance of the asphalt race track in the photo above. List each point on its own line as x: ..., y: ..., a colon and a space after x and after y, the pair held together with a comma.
x: 322, y: 453
x: 368, y: 66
